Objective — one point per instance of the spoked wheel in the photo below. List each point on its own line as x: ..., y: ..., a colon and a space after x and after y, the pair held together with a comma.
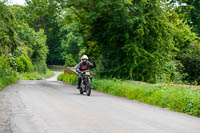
x: 88, y: 87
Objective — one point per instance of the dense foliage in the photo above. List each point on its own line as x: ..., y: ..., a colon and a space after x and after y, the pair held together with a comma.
x: 190, y: 11
x: 36, y: 46
x: 42, y: 14
x: 190, y: 58
x: 23, y: 64
x: 133, y: 39
x: 69, y: 61
x: 7, y: 75
x: 5, y: 68
x: 22, y: 49
x: 142, y: 40
x: 8, y: 38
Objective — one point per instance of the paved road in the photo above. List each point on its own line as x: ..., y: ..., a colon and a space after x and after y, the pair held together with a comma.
x: 50, y: 106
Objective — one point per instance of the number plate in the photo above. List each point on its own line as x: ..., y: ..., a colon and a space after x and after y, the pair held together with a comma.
x: 87, y: 73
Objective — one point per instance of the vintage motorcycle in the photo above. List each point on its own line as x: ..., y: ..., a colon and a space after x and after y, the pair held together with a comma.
x: 86, y: 80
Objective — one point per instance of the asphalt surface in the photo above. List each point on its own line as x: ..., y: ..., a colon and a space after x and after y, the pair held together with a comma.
x: 51, y: 106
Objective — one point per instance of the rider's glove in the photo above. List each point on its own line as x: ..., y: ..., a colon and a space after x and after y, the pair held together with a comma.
x: 93, y: 60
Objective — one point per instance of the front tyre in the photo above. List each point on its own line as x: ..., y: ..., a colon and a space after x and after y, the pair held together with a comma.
x: 81, y: 90
x: 88, y: 89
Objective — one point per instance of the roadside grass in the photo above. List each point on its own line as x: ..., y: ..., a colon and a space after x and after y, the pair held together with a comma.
x: 176, y: 98
x: 68, y: 78
x: 34, y: 75
x: 4, y: 81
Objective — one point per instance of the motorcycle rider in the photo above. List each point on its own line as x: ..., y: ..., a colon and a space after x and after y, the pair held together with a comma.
x: 84, y: 64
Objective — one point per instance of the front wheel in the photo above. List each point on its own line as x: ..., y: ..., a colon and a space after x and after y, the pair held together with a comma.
x: 81, y: 88
x: 88, y: 89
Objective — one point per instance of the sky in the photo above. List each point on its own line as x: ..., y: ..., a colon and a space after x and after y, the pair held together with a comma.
x: 16, y: 2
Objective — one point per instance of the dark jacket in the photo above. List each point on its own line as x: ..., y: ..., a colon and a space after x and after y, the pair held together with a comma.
x: 81, y: 67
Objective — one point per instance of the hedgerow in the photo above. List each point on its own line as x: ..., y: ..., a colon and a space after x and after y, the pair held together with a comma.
x: 7, y: 75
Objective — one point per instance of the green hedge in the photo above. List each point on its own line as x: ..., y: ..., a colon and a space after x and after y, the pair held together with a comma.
x: 190, y: 58
x: 179, y: 99
x: 5, y: 69
x: 69, y: 61
x: 7, y: 75
x: 24, y: 64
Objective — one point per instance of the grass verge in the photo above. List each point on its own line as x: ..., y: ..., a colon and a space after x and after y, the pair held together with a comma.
x: 180, y: 99
x: 35, y: 75
x: 6, y: 81
x: 68, y: 78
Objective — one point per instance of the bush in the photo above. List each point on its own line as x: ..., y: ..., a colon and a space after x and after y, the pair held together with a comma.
x: 40, y: 67
x: 5, y: 69
x: 27, y: 63
x: 7, y: 75
x: 190, y: 58
x: 174, y: 73
x: 24, y: 64
x: 20, y: 65
x: 37, y: 49
x: 69, y: 61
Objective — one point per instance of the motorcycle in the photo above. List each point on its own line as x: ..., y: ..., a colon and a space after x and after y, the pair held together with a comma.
x: 86, y: 80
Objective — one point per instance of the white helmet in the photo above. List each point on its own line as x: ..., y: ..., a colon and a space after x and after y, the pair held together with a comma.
x: 84, y: 58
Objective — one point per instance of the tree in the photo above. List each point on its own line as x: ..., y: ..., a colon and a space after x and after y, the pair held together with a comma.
x: 191, y: 12
x: 8, y: 38
x: 69, y: 61
x: 42, y: 14
x: 37, y: 49
x: 134, y: 39
x: 71, y: 35
x: 190, y: 58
